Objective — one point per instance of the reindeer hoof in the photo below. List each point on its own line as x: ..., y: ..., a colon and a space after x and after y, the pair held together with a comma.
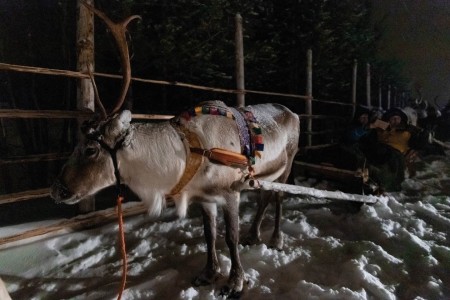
x: 277, y: 242
x: 229, y: 293
x: 206, y: 279
x: 249, y: 240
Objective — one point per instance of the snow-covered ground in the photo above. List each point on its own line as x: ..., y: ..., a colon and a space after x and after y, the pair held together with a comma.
x: 398, y: 248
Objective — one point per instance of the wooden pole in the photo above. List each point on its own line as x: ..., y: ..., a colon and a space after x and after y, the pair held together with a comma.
x: 380, y: 104
x: 354, y: 78
x: 395, y: 97
x: 308, y: 104
x: 308, y: 191
x: 85, y: 62
x: 389, y: 97
x: 368, y: 98
x: 70, y: 225
x: 240, y: 79
x: 24, y: 196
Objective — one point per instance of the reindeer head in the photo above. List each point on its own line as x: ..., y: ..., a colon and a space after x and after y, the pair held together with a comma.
x: 90, y: 167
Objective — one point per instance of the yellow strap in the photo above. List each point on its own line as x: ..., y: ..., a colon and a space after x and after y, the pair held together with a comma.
x: 193, y: 162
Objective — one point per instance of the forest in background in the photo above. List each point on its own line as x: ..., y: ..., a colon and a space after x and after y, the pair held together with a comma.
x: 193, y: 42
x: 184, y: 41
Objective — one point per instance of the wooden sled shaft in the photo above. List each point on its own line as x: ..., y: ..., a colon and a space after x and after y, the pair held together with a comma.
x: 308, y: 191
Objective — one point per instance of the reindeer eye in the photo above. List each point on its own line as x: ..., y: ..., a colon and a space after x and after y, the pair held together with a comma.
x: 90, y: 151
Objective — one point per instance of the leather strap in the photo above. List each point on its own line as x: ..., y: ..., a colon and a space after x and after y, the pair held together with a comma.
x: 222, y: 156
x: 193, y: 162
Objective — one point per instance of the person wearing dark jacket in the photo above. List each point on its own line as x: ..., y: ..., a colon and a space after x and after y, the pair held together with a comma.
x: 358, y: 128
x: 393, y: 149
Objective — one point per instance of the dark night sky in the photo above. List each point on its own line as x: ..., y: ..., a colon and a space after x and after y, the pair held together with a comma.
x: 418, y: 33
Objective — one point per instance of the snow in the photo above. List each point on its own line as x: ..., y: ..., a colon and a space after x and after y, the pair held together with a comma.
x: 397, y: 248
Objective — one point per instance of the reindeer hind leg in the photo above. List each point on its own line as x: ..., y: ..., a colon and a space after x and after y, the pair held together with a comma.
x: 211, y: 272
x: 277, y: 239
x: 254, y: 234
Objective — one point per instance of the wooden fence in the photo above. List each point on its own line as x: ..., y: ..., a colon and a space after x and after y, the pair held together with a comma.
x: 79, y: 222
x: 59, y: 114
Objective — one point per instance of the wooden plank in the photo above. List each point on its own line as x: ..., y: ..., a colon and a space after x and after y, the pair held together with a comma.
x: 46, y: 71
x: 37, y: 70
x: 308, y: 191
x: 34, y: 158
x: 43, y: 114
x: 64, y: 114
x: 322, y: 167
x: 342, y: 175
x: 317, y: 146
x: 23, y: 196
x: 77, y: 223
x: 151, y: 117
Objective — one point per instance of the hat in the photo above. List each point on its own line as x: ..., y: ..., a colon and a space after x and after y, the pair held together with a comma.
x: 396, y: 112
x: 360, y: 111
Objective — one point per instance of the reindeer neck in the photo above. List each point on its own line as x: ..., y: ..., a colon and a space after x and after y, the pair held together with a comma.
x: 155, y: 156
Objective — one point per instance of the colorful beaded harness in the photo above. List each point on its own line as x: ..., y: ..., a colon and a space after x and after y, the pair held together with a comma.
x: 250, y: 133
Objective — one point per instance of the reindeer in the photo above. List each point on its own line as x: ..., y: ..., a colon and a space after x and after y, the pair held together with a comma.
x: 4, y: 295
x: 153, y: 159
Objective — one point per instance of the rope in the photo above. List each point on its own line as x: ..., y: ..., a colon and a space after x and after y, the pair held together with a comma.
x: 120, y: 198
x: 122, y: 247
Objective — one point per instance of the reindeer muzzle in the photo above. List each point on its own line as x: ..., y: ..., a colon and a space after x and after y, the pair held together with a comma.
x: 59, y: 192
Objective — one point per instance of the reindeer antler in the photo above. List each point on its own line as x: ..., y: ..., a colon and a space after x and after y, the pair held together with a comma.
x: 98, y: 102
x: 118, y: 31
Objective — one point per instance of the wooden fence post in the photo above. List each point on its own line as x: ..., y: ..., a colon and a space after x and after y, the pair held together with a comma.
x: 395, y: 97
x: 389, y: 97
x: 354, y: 78
x: 85, y: 60
x: 308, y: 104
x: 368, y: 98
x: 380, y: 104
x: 240, y: 79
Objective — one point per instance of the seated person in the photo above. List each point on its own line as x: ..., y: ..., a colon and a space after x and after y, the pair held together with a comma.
x: 349, y: 149
x: 358, y: 128
x: 391, y: 149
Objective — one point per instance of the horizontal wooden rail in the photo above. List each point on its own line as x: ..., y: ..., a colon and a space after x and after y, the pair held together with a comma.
x: 317, y: 146
x: 76, y: 223
x: 304, y: 116
x: 337, y: 130
x: 34, y: 158
x: 41, y: 114
x: 64, y: 114
x: 73, y: 74
x: 25, y: 195
x: 151, y: 117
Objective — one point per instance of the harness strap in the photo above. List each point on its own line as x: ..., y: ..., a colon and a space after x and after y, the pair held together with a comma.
x: 113, y: 154
x: 225, y: 157
x: 193, y: 162
x: 244, y: 132
x: 123, y: 250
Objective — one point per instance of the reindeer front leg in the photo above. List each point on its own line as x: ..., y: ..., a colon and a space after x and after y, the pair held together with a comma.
x: 231, y: 218
x: 211, y: 272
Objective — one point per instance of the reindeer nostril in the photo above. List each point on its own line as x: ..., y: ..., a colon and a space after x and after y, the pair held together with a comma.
x: 59, y: 191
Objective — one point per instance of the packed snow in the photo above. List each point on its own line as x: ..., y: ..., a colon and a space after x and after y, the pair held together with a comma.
x: 397, y: 248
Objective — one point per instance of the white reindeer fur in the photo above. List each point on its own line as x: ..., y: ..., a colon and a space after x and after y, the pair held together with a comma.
x: 4, y: 295
x: 153, y: 157
x: 153, y: 170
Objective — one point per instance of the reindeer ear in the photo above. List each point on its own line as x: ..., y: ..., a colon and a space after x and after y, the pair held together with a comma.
x: 118, y: 125
x: 125, y: 119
